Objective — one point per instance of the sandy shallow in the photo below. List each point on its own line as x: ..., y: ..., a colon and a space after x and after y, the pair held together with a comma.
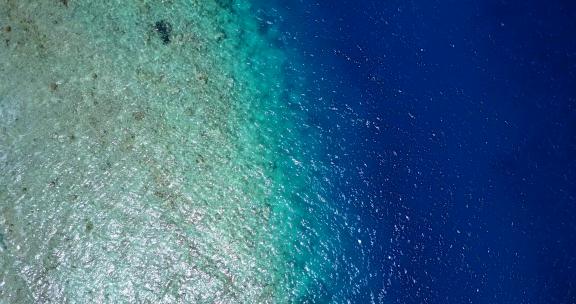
x: 148, y: 155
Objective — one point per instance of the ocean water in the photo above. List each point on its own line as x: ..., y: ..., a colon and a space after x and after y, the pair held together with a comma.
x: 157, y: 152
x: 452, y: 127
x: 287, y: 151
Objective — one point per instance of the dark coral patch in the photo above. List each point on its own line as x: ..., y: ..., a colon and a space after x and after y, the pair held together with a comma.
x: 164, y: 30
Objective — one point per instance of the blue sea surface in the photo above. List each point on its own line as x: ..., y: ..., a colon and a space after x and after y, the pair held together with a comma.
x: 452, y: 125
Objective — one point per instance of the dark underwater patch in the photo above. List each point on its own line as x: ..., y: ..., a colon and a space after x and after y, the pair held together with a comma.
x: 164, y: 29
x: 225, y: 4
x: 2, y: 243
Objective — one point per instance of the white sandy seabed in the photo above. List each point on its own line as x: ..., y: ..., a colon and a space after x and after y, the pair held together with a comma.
x: 148, y: 155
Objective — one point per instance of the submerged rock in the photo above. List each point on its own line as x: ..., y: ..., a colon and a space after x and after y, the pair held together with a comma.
x: 164, y: 30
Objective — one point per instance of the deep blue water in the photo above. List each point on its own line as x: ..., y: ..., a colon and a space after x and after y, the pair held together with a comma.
x: 456, y: 129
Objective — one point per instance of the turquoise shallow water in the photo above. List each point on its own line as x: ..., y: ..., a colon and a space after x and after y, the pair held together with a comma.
x: 155, y: 152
